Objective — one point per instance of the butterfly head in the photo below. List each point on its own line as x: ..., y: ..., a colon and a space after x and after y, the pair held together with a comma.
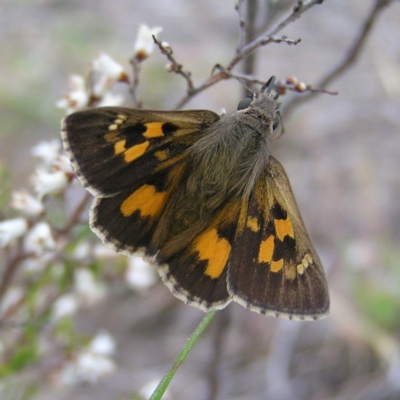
x: 264, y: 105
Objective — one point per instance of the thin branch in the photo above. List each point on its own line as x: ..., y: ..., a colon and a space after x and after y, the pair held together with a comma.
x: 75, y: 216
x: 268, y: 36
x: 250, y: 32
x: 134, y: 87
x: 10, y: 271
x: 282, y: 86
x: 356, y: 48
x: 273, y: 9
x: 242, y: 22
x: 262, y: 40
x: 175, y: 66
x: 251, y: 47
x: 14, y: 264
x: 212, y: 80
x: 351, y: 56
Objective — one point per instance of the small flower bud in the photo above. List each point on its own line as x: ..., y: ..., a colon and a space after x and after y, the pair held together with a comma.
x: 167, y: 47
x: 291, y: 80
x: 300, y: 87
x: 170, y: 67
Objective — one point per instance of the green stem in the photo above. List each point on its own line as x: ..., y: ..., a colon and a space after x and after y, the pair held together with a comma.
x: 162, y: 386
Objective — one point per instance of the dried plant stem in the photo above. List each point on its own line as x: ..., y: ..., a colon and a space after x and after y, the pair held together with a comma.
x: 244, y: 52
x: 350, y: 57
x: 15, y: 262
x: 136, y: 68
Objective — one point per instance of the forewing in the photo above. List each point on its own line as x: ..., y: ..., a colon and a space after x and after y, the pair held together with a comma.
x: 131, y: 160
x: 127, y: 221
x: 112, y: 148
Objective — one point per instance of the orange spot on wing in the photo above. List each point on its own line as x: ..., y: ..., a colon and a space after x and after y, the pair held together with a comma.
x: 283, y: 228
x: 215, y: 250
x: 266, y: 250
x: 119, y: 147
x: 146, y: 200
x: 136, y: 151
x: 154, y: 129
x: 276, y: 266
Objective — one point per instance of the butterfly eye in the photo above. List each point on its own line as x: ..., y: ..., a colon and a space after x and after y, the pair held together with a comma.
x: 277, y: 122
x: 277, y: 127
x: 245, y: 103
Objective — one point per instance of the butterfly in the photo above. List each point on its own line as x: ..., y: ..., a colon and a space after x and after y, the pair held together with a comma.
x: 200, y: 196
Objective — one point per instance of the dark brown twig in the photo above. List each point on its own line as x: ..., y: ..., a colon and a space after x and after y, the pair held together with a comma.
x: 14, y: 264
x: 134, y: 87
x: 175, y: 66
x: 351, y: 56
x: 355, y: 50
x: 250, y: 31
x: 268, y: 36
x: 75, y: 216
x: 242, y: 22
x: 262, y: 40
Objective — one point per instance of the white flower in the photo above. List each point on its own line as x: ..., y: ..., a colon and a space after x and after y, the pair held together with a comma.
x: 11, y: 229
x: 26, y: 203
x: 63, y: 164
x: 110, y: 68
x: 140, y: 274
x: 91, y: 367
x: 47, y: 152
x: 86, y: 368
x: 77, y: 83
x: 101, y: 251
x: 144, y: 44
x: 77, y: 98
x: 91, y: 364
x: 102, y: 86
x: 89, y: 291
x: 49, y: 182
x: 33, y: 265
x: 64, y: 306
x: 111, y: 99
x: 102, y: 91
x: 39, y: 239
x: 82, y: 251
x: 102, y: 344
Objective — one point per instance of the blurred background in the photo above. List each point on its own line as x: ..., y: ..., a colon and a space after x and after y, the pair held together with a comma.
x: 341, y: 154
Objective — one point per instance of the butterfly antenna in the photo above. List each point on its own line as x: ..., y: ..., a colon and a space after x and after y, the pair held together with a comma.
x: 225, y: 71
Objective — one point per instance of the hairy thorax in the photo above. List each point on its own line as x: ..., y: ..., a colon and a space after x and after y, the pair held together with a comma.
x: 225, y: 163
